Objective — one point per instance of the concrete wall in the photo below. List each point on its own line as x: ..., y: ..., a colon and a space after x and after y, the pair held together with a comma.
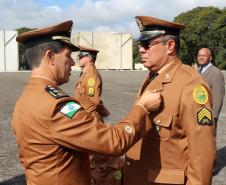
x: 115, y: 48
x: 8, y: 51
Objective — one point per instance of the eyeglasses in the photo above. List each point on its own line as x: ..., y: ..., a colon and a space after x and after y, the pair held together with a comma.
x: 147, y: 44
x: 203, y: 56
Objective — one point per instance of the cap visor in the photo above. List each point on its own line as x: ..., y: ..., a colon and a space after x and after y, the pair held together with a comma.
x: 71, y: 46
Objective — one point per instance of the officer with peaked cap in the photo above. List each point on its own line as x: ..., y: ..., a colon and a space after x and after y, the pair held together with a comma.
x: 180, y: 148
x: 53, y: 131
x: 89, y: 86
x: 104, y: 169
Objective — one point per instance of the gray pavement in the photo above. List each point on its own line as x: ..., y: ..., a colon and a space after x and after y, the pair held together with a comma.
x: 120, y: 88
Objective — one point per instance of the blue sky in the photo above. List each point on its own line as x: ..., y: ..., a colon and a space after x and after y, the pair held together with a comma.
x: 64, y: 4
x: 93, y: 15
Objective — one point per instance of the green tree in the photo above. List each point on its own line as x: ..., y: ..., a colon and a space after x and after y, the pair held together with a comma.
x: 136, y: 55
x: 206, y: 27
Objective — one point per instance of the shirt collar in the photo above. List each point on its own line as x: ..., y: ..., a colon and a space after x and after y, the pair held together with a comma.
x: 204, y: 68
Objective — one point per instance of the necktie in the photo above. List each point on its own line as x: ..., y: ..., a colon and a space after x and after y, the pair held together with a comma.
x: 200, y: 70
x: 151, y: 78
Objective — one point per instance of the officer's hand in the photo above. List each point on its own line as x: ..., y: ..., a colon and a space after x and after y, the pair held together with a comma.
x: 150, y: 101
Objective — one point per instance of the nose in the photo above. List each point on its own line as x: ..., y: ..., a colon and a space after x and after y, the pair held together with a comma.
x: 141, y: 49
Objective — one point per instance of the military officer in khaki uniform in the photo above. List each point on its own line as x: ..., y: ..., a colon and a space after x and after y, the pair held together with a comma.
x: 53, y: 131
x: 180, y: 148
x: 105, y: 170
x: 89, y: 86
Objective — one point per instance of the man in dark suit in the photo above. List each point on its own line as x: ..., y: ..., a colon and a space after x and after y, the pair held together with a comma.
x: 213, y: 76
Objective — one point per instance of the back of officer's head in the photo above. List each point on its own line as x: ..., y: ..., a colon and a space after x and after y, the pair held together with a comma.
x: 54, y: 38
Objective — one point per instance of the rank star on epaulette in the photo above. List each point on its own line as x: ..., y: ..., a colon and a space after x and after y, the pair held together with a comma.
x: 55, y: 92
x: 204, y: 117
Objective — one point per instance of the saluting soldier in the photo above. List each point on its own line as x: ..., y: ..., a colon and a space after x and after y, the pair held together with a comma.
x: 180, y: 148
x: 53, y: 131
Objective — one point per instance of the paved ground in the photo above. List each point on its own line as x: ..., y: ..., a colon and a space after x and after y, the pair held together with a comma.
x: 119, y: 91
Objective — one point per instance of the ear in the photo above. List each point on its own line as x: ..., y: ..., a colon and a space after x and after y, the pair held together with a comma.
x: 211, y: 58
x: 170, y: 46
x: 49, y: 55
x: 90, y: 58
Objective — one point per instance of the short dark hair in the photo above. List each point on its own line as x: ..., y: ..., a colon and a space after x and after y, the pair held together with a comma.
x: 35, y: 53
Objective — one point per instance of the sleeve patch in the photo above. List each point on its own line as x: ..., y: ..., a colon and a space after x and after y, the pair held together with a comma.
x: 128, y: 129
x: 91, y: 91
x: 55, y: 92
x: 204, y: 117
x: 91, y: 82
x: 200, y: 94
x: 70, y: 109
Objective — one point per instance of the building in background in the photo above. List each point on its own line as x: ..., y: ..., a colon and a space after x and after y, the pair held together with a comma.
x: 115, y: 48
x: 9, y: 60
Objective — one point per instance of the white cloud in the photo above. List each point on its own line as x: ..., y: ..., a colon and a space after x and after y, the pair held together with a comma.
x: 53, y: 8
x: 98, y: 15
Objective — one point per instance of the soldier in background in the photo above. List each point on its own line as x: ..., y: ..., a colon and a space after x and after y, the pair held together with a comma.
x: 215, y: 79
x: 104, y: 170
x: 89, y: 86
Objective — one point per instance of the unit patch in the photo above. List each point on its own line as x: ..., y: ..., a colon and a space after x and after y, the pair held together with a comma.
x: 70, y: 108
x: 204, y: 117
x: 200, y: 94
x: 91, y: 91
x: 55, y: 92
x: 118, y: 174
x: 91, y: 82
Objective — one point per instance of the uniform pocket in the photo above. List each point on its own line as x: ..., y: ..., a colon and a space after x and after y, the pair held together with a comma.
x: 161, y: 127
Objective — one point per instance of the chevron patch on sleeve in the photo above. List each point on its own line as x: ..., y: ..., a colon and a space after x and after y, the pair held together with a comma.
x: 204, y: 117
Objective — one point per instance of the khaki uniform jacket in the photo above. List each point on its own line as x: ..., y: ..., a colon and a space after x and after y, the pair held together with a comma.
x: 215, y: 79
x: 54, y: 139
x: 88, y: 91
x: 177, y: 150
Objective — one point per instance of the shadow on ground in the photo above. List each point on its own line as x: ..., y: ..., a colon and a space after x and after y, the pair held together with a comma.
x: 18, y: 180
x: 221, y: 160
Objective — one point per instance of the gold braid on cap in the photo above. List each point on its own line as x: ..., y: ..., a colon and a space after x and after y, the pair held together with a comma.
x: 61, y: 38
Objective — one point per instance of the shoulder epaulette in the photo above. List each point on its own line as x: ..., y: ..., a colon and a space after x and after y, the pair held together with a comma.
x: 55, y: 92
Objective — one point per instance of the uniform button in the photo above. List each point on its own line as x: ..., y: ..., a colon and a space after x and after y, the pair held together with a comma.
x: 158, y: 121
x: 158, y: 128
x: 128, y: 163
